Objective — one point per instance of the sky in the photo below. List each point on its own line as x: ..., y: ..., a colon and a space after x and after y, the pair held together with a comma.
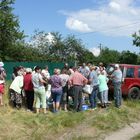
x: 107, y: 22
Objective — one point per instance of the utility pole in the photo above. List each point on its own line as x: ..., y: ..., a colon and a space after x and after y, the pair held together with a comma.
x: 100, y: 46
x: 75, y: 58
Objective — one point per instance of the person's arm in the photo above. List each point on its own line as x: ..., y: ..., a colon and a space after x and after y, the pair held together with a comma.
x: 90, y: 78
x: 70, y: 83
x: 4, y: 74
x: 41, y: 79
x: 85, y: 81
x: 21, y: 79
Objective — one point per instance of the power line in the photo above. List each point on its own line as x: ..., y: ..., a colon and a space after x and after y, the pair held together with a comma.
x: 113, y: 28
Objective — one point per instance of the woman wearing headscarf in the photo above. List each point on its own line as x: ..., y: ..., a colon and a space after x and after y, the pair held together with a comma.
x: 28, y: 89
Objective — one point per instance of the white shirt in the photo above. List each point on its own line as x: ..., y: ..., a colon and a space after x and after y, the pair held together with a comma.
x: 46, y: 74
x: 36, y: 77
x: 17, y: 84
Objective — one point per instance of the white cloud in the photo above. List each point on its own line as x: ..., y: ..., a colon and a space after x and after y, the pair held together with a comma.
x: 75, y: 24
x: 116, y: 18
x: 115, y: 6
x: 96, y: 51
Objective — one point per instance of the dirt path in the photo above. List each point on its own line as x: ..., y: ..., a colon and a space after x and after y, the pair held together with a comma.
x: 89, y: 133
x: 125, y: 133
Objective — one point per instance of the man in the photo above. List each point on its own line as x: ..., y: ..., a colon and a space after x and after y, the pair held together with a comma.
x: 77, y: 80
x: 116, y: 79
x: 93, y: 79
x: 84, y: 70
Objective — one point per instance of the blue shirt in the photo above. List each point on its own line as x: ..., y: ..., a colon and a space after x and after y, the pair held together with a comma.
x: 94, y: 78
x: 117, y: 76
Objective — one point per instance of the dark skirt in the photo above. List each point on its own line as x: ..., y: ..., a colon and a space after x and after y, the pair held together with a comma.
x: 15, y: 97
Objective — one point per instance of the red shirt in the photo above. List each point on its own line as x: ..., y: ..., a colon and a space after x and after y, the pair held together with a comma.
x: 27, y: 82
x: 78, y: 79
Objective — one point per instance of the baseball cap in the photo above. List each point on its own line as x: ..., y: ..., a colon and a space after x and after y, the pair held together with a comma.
x: 116, y: 65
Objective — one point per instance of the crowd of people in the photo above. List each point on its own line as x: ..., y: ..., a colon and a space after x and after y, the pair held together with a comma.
x: 38, y: 87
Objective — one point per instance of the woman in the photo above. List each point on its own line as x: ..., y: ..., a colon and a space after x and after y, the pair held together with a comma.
x: 65, y: 77
x: 39, y: 90
x: 28, y: 89
x: 16, y: 90
x: 56, y: 89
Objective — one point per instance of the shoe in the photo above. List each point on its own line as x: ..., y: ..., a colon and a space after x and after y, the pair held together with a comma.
x: 119, y: 107
x: 92, y: 108
x: 28, y: 110
x: 18, y: 107
x: 37, y: 110
x: 44, y: 111
x: 65, y: 110
x: 56, y: 112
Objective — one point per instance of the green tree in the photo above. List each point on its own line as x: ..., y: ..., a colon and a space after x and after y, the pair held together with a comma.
x: 50, y: 44
x: 75, y: 50
x: 58, y: 48
x: 10, y: 34
x: 136, y: 39
x: 40, y: 41
x: 128, y: 57
x: 108, y: 56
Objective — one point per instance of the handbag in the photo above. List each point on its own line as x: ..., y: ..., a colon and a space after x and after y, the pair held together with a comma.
x: 87, y: 89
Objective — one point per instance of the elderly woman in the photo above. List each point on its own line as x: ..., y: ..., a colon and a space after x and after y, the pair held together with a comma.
x: 16, y: 90
x: 65, y: 77
x: 28, y: 89
x: 39, y: 90
x: 56, y: 89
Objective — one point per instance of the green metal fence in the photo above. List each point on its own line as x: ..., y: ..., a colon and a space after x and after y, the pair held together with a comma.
x: 9, y: 66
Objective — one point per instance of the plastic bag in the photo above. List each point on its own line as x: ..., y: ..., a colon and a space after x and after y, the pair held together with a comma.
x: 87, y: 89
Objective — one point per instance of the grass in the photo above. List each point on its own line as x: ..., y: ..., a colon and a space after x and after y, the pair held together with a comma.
x: 116, y: 118
x: 137, y: 137
x: 17, y: 124
x: 23, y: 125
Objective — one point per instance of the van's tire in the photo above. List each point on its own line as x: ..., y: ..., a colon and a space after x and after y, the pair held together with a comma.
x: 134, y: 93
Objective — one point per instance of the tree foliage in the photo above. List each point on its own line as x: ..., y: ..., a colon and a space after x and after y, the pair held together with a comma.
x: 59, y: 48
x: 128, y: 58
x: 108, y: 56
x: 71, y: 49
x: 136, y: 40
x: 10, y: 33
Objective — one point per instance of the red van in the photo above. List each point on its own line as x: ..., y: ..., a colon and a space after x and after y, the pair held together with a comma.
x: 130, y: 80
